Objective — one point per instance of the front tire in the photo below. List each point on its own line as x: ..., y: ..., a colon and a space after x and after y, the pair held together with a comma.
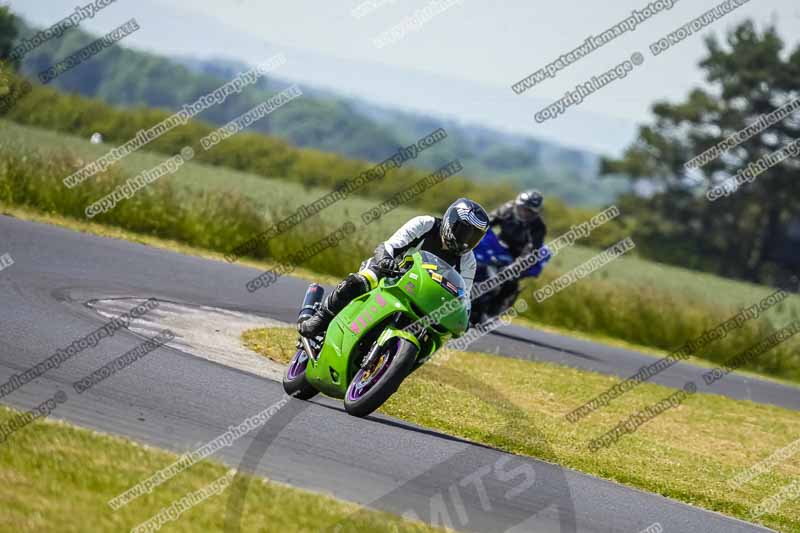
x: 294, y: 379
x: 370, y: 388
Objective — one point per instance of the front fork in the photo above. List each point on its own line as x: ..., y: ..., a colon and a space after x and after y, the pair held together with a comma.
x: 393, y: 330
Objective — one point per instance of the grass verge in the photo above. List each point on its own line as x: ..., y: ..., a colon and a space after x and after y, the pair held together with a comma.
x: 56, y: 477
x: 687, y: 453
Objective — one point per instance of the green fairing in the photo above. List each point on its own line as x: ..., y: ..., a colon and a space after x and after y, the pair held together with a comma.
x: 417, y: 289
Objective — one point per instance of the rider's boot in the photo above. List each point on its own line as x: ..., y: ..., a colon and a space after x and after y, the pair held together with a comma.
x: 316, y: 324
x: 350, y: 288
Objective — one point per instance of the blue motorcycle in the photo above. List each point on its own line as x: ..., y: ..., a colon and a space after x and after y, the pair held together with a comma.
x: 493, y: 256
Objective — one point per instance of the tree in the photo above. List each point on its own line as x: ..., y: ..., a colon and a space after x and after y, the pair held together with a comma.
x: 740, y: 234
x: 8, y: 32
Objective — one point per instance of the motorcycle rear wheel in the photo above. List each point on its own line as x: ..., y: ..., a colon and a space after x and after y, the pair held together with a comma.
x: 294, y: 379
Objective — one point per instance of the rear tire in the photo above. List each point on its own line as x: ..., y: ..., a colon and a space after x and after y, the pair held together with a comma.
x: 294, y: 378
x: 402, y: 355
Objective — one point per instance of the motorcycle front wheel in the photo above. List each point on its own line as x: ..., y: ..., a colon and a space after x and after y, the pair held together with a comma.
x: 372, y: 386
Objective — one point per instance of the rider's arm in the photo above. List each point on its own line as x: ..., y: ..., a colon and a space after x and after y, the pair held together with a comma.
x: 538, y: 233
x: 408, y: 234
x: 468, y: 266
x: 501, y: 213
x: 381, y: 253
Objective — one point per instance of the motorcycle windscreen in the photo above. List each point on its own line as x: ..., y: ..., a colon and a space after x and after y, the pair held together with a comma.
x: 451, y: 288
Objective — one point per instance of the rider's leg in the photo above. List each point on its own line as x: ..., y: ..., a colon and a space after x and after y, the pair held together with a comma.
x: 506, y: 297
x: 345, y: 292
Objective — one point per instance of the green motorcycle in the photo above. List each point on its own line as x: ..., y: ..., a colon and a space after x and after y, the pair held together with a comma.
x: 382, y: 336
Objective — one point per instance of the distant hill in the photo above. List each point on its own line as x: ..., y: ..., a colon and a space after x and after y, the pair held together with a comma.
x: 326, y: 121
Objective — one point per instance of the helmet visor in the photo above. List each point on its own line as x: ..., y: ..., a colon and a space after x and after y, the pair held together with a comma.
x: 466, y: 236
x: 526, y: 213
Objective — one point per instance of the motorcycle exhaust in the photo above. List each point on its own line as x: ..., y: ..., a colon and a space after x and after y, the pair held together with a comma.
x: 311, y: 301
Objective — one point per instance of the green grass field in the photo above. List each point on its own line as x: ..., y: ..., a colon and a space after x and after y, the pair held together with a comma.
x: 277, y: 195
x: 55, y: 477
x: 687, y: 453
x: 675, y: 280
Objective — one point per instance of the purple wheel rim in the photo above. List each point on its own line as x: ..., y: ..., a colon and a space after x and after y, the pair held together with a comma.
x: 358, y: 387
x: 298, y: 365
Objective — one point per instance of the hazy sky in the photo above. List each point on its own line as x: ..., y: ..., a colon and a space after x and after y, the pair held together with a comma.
x: 462, y: 62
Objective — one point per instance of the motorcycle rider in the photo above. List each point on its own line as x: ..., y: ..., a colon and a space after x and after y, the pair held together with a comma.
x: 523, y: 231
x: 451, y: 237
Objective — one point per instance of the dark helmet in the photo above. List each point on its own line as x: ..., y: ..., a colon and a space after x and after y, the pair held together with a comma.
x: 463, y: 225
x: 528, y: 205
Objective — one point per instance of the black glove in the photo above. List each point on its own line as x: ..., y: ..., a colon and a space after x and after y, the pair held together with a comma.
x: 387, y: 266
x: 527, y: 250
